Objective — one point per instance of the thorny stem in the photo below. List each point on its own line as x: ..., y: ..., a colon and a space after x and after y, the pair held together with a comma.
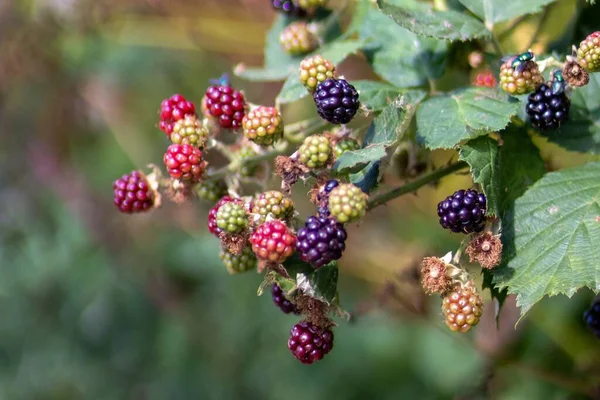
x: 416, y: 184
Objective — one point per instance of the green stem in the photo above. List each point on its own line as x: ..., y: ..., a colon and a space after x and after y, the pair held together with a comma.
x: 416, y: 184
x: 496, y: 45
x: 538, y: 29
x: 237, y: 164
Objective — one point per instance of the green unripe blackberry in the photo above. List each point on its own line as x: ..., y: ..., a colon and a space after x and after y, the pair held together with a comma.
x: 236, y: 264
x: 211, y: 190
x: 263, y: 125
x: 520, y: 79
x: 189, y: 131
x: 588, y: 53
x: 347, y: 203
x: 344, y: 145
x: 314, y: 70
x: 247, y: 152
x: 232, y: 217
x: 297, y: 39
x: 315, y: 151
x: 275, y: 203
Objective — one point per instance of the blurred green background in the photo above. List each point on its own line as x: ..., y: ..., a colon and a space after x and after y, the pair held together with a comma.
x: 98, y: 305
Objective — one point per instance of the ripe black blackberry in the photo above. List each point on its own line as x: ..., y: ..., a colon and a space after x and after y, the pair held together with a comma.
x: 288, y: 7
x: 464, y: 211
x: 323, y: 195
x: 336, y: 101
x: 548, y: 109
x: 309, y: 343
x: 321, y: 241
x: 592, y: 317
x: 282, y: 302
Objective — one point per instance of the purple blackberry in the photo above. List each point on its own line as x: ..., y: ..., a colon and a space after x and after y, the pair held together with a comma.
x: 336, y: 101
x: 464, y: 211
x: 591, y: 316
x: 309, y: 343
x: 282, y: 302
x: 323, y: 195
x: 288, y: 7
x: 321, y: 241
x: 548, y: 109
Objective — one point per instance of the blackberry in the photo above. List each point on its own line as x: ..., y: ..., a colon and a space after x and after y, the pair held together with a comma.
x: 232, y: 217
x: 273, y: 242
x: 321, y: 241
x: 314, y: 70
x: 344, y: 145
x: 336, y: 101
x: 225, y: 104
x: 315, y: 151
x: 263, y: 125
x: 547, y: 110
x: 132, y: 193
x: 323, y: 196
x: 347, y: 203
x: 592, y: 317
x: 282, y: 302
x: 212, y: 214
x: 297, y: 39
x: 464, y: 211
x: 189, y: 130
x: 185, y: 162
x: 275, y: 203
x: 288, y: 7
x: 485, y: 79
x: 310, y: 343
x: 211, y: 190
x: 172, y: 110
x: 462, y: 309
x: 520, y: 79
x: 588, y: 53
x: 247, y: 151
x: 236, y: 264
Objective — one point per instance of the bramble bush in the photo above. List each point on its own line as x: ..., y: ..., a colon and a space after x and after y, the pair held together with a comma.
x: 443, y: 83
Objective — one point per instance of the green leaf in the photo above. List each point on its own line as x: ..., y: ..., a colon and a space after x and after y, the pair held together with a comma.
x: 494, y: 11
x: 582, y: 131
x: 400, y: 56
x: 385, y: 132
x: 375, y: 96
x: 520, y: 166
x: 482, y: 156
x: 445, y: 121
x: 556, y: 236
x: 353, y: 161
x: 320, y: 284
x: 336, y: 52
x: 447, y: 25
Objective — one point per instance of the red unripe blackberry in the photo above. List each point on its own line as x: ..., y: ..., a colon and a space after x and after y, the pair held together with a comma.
x: 212, y: 214
x: 310, y: 343
x: 462, y: 309
x: 282, y: 302
x: 463, y: 211
x: 172, y: 110
x: 225, y: 104
x: 485, y: 79
x: 133, y: 193
x: 273, y: 242
x: 185, y: 162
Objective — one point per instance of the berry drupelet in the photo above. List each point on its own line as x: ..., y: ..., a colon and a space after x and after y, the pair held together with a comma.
x: 464, y: 211
x: 321, y: 241
x: 282, y: 302
x: 548, y: 110
x: 310, y: 343
x: 592, y: 317
x: 133, y: 193
x: 225, y: 104
x: 336, y: 101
